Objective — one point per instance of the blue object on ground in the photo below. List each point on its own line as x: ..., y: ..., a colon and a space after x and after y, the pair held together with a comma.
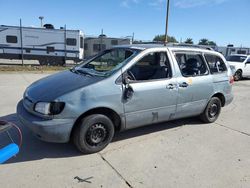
x: 8, y: 151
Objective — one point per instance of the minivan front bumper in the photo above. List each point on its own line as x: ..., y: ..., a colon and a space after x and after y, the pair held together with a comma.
x: 52, y: 130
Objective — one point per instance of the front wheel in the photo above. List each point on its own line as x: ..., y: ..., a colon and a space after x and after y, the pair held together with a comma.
x: 93, y: 133
x: 238, y: 75
x: 212, y: 111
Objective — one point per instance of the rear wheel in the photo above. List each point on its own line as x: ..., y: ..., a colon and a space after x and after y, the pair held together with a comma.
x: 212, y: 111
x: 43, y: 62
x: 93, y: 133
x: 238, y: 75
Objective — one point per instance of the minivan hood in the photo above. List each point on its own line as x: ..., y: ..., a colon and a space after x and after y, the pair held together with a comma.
x: 49, y: 88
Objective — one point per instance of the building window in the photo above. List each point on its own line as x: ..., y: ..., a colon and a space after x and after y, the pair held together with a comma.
x: 241, y: 52
x: 11, y: 39
x: 50, y: 49
x: 27, y: 50
x: 71, y: 42
x: 81, y: 42
x: 114, y: 42
x: 99, y: 47
x: 85, y: 46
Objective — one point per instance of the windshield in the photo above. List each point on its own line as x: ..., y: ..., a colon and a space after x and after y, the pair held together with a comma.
x: 236, y: 58
x: 106, y: 63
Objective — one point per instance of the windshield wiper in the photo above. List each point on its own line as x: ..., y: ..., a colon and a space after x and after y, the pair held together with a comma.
x: 73, y: 70
x: 80, y: 71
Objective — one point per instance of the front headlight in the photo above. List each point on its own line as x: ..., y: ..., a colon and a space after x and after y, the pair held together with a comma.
x: 52, y: 108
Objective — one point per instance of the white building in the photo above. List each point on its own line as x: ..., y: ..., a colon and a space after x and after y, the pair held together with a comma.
x: 230, y: 50
x: 93, y: 45
x: 47, y: 45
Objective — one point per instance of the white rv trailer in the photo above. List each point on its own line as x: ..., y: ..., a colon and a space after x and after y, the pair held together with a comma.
x: 48, y: 46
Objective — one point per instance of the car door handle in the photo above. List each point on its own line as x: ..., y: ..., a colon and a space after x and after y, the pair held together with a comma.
x: 183, y: 84
x: 170, y: 86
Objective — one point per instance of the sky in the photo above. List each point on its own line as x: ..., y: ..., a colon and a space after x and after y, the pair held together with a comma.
x: 222, y: 21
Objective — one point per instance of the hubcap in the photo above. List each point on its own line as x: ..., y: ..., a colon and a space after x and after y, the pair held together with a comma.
x: 213, y: 110
x: 96, y: 134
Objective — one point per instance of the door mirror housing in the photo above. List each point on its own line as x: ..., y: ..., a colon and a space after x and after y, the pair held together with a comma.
x: 125, y: 79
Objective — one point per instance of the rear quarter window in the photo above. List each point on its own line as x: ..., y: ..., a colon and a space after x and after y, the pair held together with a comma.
x: 215, y: 63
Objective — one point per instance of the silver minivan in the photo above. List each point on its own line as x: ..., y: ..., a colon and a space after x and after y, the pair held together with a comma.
x: 123, y: 88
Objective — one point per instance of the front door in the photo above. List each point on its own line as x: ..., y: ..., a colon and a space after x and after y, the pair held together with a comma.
x: 153, y: 91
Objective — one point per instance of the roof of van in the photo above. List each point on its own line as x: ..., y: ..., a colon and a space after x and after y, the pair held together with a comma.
x: 172, y: 46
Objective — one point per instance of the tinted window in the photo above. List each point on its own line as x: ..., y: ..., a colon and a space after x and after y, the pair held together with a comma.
x: 71, y: 42
x: 236, y: 58
x: 152, y: 66
x: 11, y: 39
x: 191, y: 64
x: 216, y: 64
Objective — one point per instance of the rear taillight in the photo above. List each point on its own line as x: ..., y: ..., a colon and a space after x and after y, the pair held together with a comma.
x: 231, y: 79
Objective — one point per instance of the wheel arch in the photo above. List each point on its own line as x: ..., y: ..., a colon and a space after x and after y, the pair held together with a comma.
x: 221, y: 97
x: 240, y: 69
x: 114, y: 117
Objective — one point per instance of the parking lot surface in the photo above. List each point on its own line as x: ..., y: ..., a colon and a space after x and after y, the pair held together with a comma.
x: 183, y: 153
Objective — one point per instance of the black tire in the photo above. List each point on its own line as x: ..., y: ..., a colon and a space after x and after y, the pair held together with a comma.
x: 93, y: 133
x: 43, y: 62
x: 212, y: 111
x: 238, y: 75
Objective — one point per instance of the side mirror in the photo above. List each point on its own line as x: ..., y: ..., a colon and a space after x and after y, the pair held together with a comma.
x: 125, y: 79
x: 128, y: 90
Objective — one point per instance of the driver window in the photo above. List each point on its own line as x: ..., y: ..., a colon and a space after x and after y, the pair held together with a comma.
x: 153, y: 66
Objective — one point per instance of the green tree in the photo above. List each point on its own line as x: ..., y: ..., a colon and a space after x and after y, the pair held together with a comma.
x: 212, y: 43
x: 203, y: 42
x: 189, y: 41
x: 207, y: 42
x: 161, y: 38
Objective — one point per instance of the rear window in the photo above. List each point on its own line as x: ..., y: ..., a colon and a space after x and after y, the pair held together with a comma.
x: 216, y: 64
x: 236, y: 58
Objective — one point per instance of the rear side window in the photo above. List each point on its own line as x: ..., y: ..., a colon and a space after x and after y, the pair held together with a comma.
x: 191, y: 64
x: 216, y: 64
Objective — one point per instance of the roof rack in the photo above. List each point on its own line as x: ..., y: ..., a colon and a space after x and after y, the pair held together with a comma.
x: 192, y: 46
